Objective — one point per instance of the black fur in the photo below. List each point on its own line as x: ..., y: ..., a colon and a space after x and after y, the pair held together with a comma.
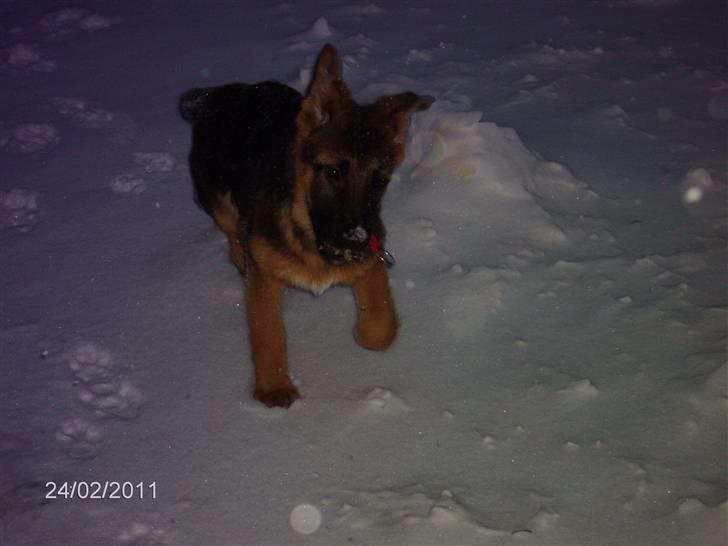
x: 241, y: 143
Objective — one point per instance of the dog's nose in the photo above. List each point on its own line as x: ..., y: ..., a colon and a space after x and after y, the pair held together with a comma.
x: 357, y: 235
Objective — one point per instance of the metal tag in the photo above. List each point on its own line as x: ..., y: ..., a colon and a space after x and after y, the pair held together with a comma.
x: 387, y: 258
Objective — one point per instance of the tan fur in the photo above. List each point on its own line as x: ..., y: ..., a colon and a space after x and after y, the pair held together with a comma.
x: 264, y: 299
x: 228, y: 220
x: 377, y: 324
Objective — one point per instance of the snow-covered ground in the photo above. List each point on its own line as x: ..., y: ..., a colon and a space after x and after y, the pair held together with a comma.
x: 560, y: 231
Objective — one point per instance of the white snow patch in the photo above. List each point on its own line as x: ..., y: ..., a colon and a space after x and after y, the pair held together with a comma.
x: 579, y: 391
x: 312, y: 38
x: 418, y: 56
x: 384, y: 401
x: 320, y: 30
x: 690, y: 506
x: 405, y: 516
x: 543, y: 57
x: 487, y: 175
x: 471, y: 302
x: 544, y: 522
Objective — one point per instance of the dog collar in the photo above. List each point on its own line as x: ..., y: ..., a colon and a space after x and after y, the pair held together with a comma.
x: 379, y: 251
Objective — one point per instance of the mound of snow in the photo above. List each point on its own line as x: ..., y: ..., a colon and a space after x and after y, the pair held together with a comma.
x: 481, y: 193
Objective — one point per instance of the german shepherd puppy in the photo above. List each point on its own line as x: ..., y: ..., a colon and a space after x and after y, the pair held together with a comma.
x: 296, y: 185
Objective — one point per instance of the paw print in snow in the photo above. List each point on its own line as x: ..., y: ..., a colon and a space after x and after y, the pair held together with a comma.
x: 85, y: 116
x: 80, y: 437
x: 119, y: 128
x: 28, y: 138
x: 155, y: 162
x: 140, y: 533
x: 149, y: 163
x: 120, y: 399
x: 90, y: 363
x: 101, y: 388
x: 26, y: 56
x: 128, y: 183
x: 18, y: 209
x: 66, y: 20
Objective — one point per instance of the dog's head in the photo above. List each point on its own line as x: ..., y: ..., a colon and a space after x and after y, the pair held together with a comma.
x: 345, y: 155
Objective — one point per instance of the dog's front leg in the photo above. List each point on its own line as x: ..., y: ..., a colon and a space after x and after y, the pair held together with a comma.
x: 377, y: 324
x: 264, y: 300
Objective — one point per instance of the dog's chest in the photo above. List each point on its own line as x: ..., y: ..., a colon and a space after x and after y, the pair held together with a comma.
x: 317, y: 285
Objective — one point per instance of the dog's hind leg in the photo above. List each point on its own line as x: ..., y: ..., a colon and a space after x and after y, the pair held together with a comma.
x: 377, y: 324
x: 228, y: 220
x: 264, y: 301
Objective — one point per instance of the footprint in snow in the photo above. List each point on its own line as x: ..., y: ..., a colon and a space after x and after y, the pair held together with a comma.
x: 117, y: 127
x: 18, y: 209
x: 148, y: 163
x: 100, y: 385
x: 26, y: 138
x: 26, y: 56
x: 155, y: 162
x: 79, y: 437
x: 145, y: 532
x: 70, y: 19
x: 128, y: 183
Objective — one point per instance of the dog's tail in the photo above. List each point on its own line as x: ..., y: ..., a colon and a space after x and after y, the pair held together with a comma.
x: 193, y: 104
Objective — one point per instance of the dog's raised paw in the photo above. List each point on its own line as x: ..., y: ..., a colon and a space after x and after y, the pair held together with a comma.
x: 279, y: 396
x: 376, y: 334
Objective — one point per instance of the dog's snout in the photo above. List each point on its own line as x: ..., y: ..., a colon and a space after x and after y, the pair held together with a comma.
x: 357, y: 235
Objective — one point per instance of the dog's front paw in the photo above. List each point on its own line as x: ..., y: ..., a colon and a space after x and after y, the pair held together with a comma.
x: 376, y: 333
x: 281, y: 395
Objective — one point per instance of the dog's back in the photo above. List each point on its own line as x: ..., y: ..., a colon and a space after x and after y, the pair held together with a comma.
x: 241, y: 140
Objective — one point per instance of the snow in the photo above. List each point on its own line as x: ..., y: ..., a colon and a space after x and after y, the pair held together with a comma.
x: 560, y: 230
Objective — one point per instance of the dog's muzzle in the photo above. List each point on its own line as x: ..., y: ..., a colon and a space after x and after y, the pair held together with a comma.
x: 351, y: 248
x: 359, y: 245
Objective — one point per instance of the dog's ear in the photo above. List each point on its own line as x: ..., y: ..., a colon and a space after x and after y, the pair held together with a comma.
x: 326, y: 94
x: 395, y: 111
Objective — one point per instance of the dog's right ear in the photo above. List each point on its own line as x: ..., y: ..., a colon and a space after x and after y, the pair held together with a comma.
x: 327, y: 93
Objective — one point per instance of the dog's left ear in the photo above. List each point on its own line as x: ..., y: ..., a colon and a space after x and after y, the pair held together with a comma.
x: 327, y: 93
x: 396, y: 111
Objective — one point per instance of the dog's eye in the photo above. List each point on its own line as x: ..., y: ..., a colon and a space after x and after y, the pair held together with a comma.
x: 332, y: 174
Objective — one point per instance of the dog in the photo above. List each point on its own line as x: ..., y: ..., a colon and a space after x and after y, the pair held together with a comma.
x: 296, y: 184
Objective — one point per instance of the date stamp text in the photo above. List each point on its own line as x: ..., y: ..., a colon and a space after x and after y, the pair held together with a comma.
x: 101, y: 490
